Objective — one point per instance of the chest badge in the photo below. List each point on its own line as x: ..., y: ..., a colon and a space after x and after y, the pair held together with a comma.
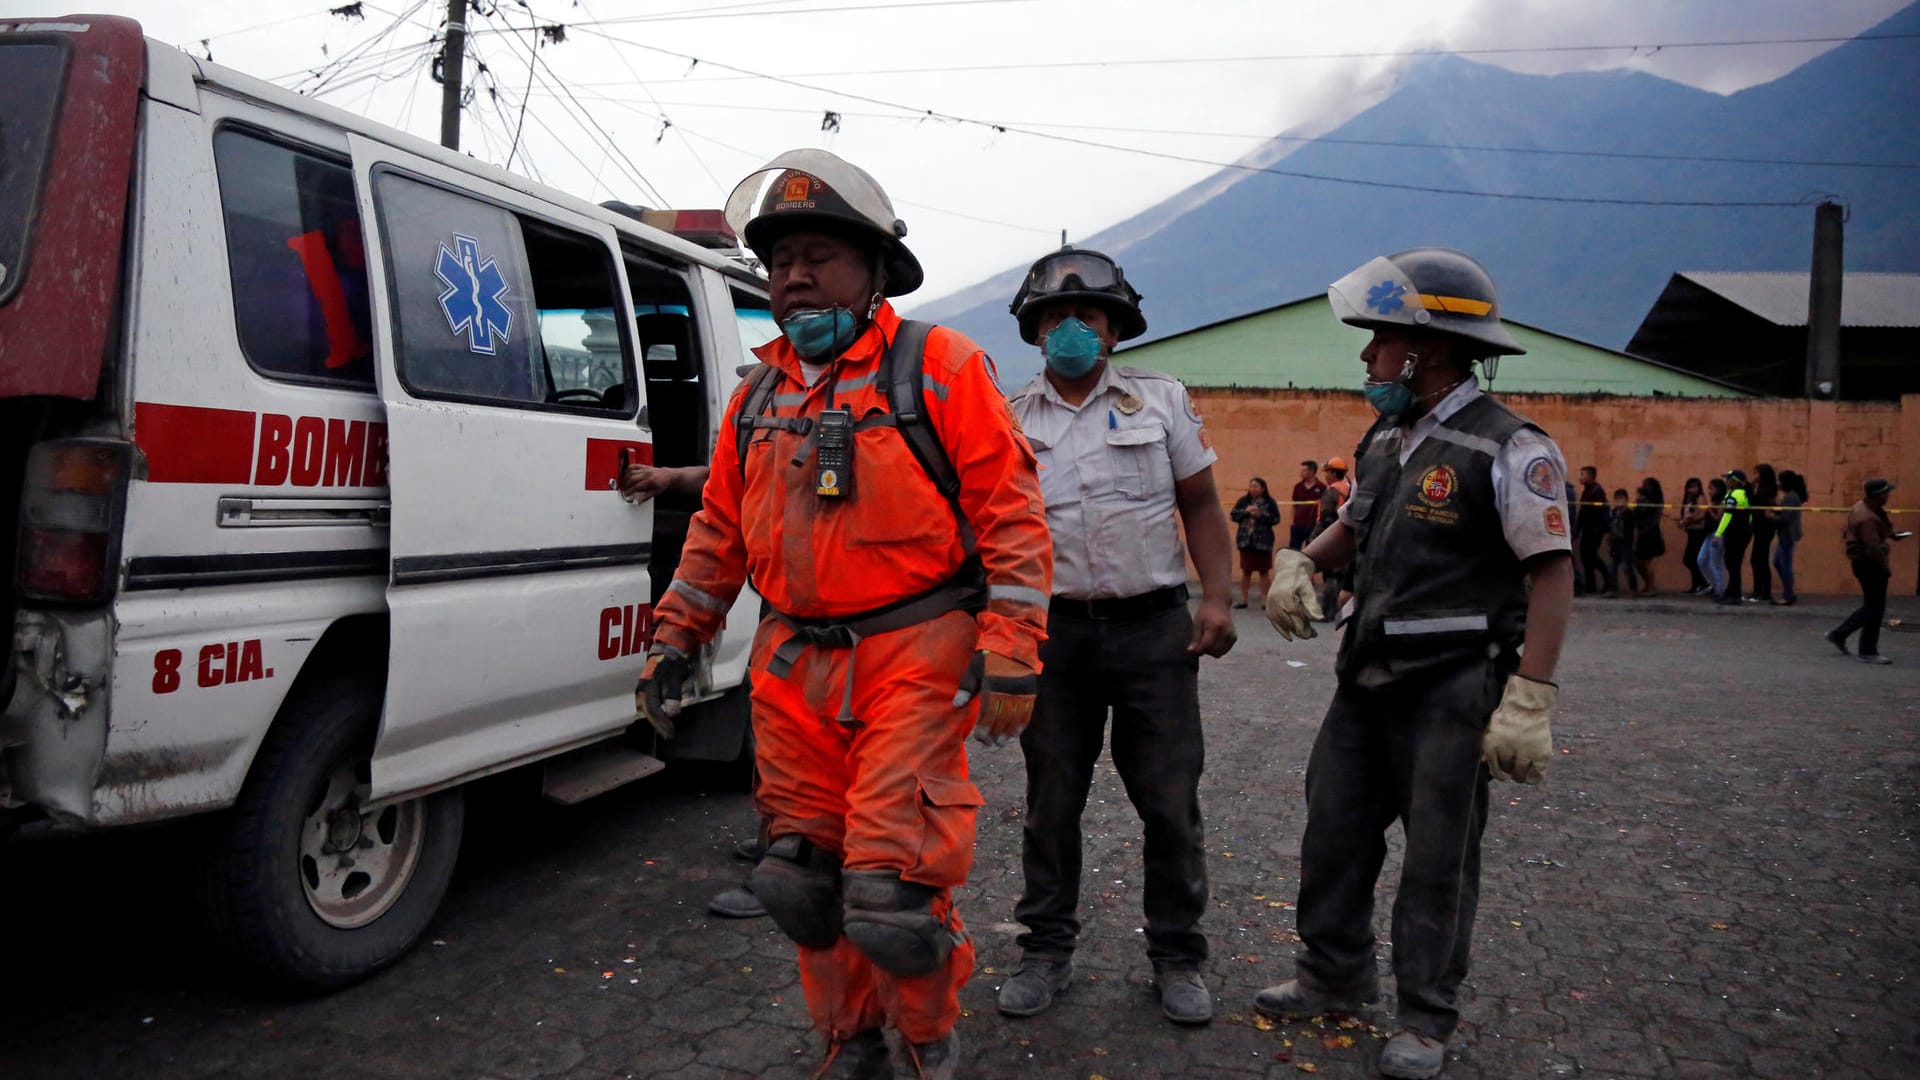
x: 1129, y: 405
x: 1437, y: 485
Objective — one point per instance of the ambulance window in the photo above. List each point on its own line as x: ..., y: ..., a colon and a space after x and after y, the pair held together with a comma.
x: 493, y: 307
x: 753, y: 318
x: 670, y: 361
x: 298, y: 270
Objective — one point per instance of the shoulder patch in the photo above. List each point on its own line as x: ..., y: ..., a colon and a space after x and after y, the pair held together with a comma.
x: 1540, y: 478
x: 1556, y: 520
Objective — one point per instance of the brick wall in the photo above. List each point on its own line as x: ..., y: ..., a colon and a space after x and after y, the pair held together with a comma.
x: 1835, y: 446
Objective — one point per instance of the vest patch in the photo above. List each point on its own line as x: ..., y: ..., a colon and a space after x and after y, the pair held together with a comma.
x: 1435, y: 491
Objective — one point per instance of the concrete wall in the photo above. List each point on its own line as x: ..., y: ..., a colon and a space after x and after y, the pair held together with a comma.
x: 1836, y: 446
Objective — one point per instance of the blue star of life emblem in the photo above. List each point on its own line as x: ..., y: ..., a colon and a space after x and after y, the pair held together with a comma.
x: 473, y: 300
x: 1385, y: 297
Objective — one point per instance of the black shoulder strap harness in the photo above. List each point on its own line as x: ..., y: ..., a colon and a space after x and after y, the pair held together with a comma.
x: 901, y: 382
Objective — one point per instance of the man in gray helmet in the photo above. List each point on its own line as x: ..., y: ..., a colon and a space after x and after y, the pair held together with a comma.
x: 1462, y: 580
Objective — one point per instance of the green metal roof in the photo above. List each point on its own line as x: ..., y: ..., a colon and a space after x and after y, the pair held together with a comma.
x: 1303, y: 346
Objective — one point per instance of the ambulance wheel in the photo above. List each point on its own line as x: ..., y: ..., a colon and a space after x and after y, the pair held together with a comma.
x: 302, y: 888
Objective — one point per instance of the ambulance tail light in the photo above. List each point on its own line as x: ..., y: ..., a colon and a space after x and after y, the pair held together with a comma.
x: 70, y: 514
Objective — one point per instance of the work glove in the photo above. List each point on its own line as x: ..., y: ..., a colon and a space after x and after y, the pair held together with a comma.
x: 1006, y: 688
x: 662, y: 684
x: 1519, y: 738
x: 1292, y: 603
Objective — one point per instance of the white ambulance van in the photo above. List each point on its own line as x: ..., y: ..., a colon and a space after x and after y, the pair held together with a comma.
x: 309, y: 433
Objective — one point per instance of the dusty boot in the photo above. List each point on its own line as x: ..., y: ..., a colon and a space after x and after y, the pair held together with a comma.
x: 1410, y: 1055
x: 737, y: 903
x: 1295, y: 1000
x: 1032, y: 986
x: 750, y: 849
x: 863, y: 1056
x: 1184, y: 998
x: 936, y: 1060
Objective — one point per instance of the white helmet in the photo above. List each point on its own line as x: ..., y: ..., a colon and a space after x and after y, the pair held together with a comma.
x: 816, y: 189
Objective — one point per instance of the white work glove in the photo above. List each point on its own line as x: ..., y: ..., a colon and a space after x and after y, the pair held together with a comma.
x: 1519, y: 737
x: 1292, y: 603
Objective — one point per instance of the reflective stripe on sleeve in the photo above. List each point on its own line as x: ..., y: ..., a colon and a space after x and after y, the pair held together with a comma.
x: 1019, y: 594
x: 696, y: 597
x: 1450, y: 624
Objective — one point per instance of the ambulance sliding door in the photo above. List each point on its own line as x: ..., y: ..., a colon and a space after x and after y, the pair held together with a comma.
x: 518, y: 589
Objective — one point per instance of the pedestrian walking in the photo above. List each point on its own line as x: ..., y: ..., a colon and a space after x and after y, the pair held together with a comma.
x: 1693, y: 523
x: 1713, y: 553
x: 1788, y: 532
x: 1125, y: 464
x: 1463, y: 579
x: 1622, y: 520
x: 897, y: 537
x: 1306, y: 505
x: 1255, y: 514
x: 1869, y: 537
x: 1648, y: 543
x: 1735, y: 532
x: 1763, y: 499
x: 1592, y: 529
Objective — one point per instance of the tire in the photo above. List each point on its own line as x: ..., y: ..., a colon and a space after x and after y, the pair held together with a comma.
x: 299, y: 890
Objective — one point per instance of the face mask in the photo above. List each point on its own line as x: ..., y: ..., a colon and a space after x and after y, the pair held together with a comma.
x: 1392, y: 398
x: 1071, y: 348
x: 818, y: 334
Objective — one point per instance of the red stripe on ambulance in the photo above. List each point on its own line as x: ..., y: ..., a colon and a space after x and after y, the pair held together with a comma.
x: 190, y: 444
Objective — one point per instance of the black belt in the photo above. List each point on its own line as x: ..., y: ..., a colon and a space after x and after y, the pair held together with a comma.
x: 1119, y: 608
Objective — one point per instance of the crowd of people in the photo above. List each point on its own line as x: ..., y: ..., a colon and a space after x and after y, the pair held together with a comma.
x: 1731, y: 524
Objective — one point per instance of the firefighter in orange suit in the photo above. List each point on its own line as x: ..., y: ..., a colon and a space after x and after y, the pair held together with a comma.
x: 901, y: 617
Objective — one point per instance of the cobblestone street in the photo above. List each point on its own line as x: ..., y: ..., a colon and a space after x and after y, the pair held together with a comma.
x: 1718, y: 878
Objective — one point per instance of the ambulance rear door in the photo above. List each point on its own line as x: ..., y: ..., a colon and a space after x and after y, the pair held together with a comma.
x: 518, y: 590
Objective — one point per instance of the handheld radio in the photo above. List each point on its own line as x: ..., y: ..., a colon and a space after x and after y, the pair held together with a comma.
x: 833, y: 454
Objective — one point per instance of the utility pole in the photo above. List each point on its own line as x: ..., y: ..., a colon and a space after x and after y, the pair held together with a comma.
x: 451, y: 81
x: 1823, y: 305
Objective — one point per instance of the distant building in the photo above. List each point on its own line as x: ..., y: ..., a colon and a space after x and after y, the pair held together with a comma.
x: 1750, y: 329
x: 1301, y: 345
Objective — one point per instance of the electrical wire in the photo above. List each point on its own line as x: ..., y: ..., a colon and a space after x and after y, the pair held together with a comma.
x: 1239, y: 166
x: 1250, y: 135
x: 664, y: 119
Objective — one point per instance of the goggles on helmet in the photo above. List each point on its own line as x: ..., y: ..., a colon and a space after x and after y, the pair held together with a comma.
x: 1073, y: 270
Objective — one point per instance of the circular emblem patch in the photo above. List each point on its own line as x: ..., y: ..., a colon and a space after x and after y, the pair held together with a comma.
x: 829, y: 478
x: 1437, y: 485
x: 1542, y: 480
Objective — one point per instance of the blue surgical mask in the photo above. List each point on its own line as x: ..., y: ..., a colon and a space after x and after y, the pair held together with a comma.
x: 1389, y: 399
x: 819, y: 334
x: 1071, y: 348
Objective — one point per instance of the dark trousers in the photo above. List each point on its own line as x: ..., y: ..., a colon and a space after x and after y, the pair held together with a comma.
x: 1760, y: 558
x: 1872, y: 577
x: 1692, y: 558
x: 1298, y: 535
x: 1736, y: 553
x: 1140, y: 670
x: 1593, y: 569
x: 1621, y: 551
x: 1410, y: 754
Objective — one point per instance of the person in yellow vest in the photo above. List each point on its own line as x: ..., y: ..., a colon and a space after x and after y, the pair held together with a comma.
x: 1735, y: 532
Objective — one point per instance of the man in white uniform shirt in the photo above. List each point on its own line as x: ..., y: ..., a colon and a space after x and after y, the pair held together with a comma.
x: 1124, y: 463
x: 1456, y: 532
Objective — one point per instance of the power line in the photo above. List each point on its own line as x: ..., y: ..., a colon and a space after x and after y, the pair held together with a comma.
x: 1649, y: 48
x: 666, y: 122
x: 1235, y: 165
x: 1389, y: 143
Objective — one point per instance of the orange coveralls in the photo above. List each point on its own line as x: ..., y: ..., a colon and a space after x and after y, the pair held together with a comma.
x: 889, y: 792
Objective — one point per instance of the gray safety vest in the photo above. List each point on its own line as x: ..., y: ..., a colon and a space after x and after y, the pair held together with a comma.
x: 1434, y: 580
